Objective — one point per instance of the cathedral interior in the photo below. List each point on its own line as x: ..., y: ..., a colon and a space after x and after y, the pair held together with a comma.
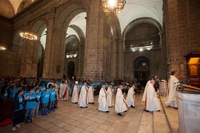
x: 77, y: 40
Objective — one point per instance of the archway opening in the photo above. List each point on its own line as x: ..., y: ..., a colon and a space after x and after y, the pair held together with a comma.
x: 142, y: 69
x: 71, y: 69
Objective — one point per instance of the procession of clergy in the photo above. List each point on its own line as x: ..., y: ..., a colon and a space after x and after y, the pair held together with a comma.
x: 85, y: 95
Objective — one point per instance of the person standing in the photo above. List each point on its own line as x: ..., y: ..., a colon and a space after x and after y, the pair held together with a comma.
x: 151, y: 101
x: 130, y: 99
x: 103, y: 106
x: 52, y: 99
x: 172, y: 84
x: 109, y: 96
x: 120, y: 103
x: 91, y: 94
x: 64, y: 90
x: 83, y: 98
x: 75, y: 93
x: 37, y: 103
x: 18, y: 107
x: 45, y: 101
x: 30, y: 104
x: 145, y: 94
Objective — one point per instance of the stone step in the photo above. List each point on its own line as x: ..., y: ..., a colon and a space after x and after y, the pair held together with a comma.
x: 171, y: 115
x: 154, y: 122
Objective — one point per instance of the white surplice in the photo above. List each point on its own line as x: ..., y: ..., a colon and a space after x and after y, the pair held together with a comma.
x: 91, y: 94
x: 75, y: 94
x: 120, y: 103
x: 130, y: 99
x: 83, y: 97
x: 109, y: 97
x: 152, y: 102
x: 103, y: 106
x: 171, y: 99
x: 64, y: 91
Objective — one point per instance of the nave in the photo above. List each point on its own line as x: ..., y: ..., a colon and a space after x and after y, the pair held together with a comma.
x: 69, y: 118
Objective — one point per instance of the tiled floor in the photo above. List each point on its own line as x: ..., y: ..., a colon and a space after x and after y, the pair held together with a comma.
x: 69, y: 118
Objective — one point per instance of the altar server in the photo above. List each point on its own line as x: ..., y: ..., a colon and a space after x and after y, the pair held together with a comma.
x: 75, y: 93
x: 152, y: 102
x: 120, y: 104
x: 130, y: 99
x: 109, y: 96
x: 102, y: 100
x: 83, y: 98
x: 91, y: 94
x: 172, y: 84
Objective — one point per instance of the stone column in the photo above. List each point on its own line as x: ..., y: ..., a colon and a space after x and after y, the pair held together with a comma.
x: 93, y: 57
x: 29, y: 59
x: 47, y: 56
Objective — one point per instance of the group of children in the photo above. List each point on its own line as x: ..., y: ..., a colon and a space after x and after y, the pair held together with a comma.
x: 30, y: 99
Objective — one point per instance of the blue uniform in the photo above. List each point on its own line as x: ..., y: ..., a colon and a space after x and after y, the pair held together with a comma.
x: 42, y: 88
x: 45, y: 97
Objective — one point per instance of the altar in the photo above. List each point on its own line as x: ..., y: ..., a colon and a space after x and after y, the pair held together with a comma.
x: 188, y: 109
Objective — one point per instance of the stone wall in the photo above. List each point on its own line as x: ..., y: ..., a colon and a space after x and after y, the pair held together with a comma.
x: 9, y: 63
x: 183, y: 32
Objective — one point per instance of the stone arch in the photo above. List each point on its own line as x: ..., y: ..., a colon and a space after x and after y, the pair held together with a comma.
x: 23, y: 5
x: 6, y: 9
x: 68, y: 11
x: 73, y: 53
x: 142, y: 69
x: 70, y: 69
x: 139, y: 21
x: 79, y: 32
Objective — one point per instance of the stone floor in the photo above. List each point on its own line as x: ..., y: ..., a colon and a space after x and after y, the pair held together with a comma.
x: 69, y: 118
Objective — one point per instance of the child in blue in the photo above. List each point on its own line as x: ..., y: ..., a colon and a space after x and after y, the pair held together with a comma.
x: 37, y: 103
x: 18, y: 107
x: 45, y: 101
x: 42, y: 88
x: 30, y: 104
x: 52, y: 99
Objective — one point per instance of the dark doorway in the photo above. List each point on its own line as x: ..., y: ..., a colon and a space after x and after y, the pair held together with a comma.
x: 142, y: 69
x: 71, y: 68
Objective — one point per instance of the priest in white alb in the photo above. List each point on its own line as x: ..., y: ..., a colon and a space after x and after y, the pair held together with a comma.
x: 152, y: 103
x: 102, y: 100
x: 83, y: 97
x: 91, y: 94
x: 130, y: 99
x: 120, y: 103
x: 64, y: 90
x: 75, y: 93
x: 172, y: 84
x: 109, y: 96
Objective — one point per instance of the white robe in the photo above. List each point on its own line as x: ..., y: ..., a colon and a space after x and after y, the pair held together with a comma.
x: 83, y: 97
x: 109, y: 97
x: 152, y: 102
x: 120, y: 103
x: 91, y: 94
x: 171, y: 99
x: 145, y: 94
x: 130, y: 99
x: 103, y: 106
x: 75, y: 94
x: 64, y: 91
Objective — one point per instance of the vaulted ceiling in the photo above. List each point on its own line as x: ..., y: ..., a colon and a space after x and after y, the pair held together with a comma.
x: 9, y: 8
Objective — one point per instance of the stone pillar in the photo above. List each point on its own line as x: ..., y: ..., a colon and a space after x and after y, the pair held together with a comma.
x: 93, y: 57
x: 121, y: 58
x: 29, y: 59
